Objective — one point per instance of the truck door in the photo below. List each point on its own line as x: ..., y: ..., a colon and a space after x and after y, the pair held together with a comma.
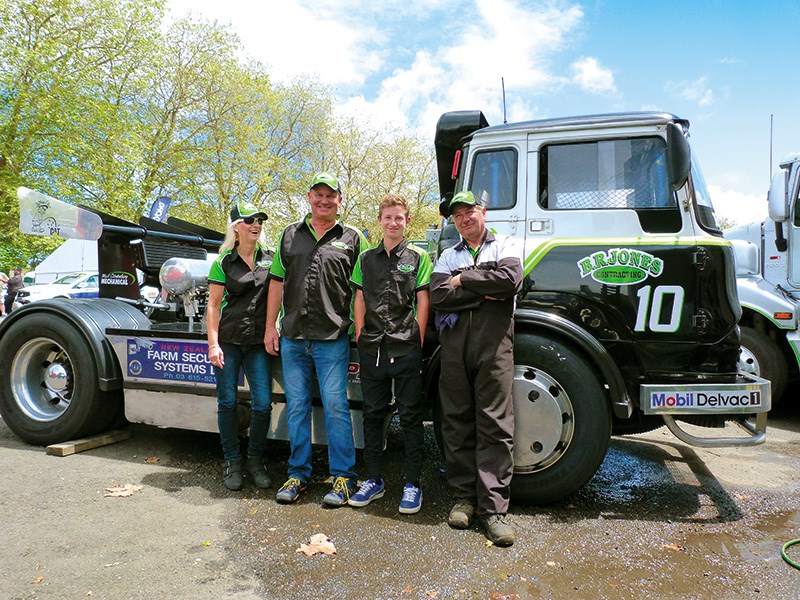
x: 793, y: 226
x: 607, y: 239
x: 495, y: 177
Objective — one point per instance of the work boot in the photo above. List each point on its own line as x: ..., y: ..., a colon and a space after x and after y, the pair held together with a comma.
x: 498, y: 531
x: 257, y: 473
x: 461, y: 515
x: 232, y: 474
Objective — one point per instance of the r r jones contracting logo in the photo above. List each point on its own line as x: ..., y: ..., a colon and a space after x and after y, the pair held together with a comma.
x: 675, y: 399
x: 620, y: 266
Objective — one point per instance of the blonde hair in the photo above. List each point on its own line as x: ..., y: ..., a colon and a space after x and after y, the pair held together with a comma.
x: 393, y: 200
x: 231, y: 238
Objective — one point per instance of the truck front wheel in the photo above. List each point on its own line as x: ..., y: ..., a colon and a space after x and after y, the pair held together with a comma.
x: 562, y: 420
x: 48, y: 382
x: 759, y: 355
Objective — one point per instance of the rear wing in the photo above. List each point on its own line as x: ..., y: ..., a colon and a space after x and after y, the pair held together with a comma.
x: 123, y: 248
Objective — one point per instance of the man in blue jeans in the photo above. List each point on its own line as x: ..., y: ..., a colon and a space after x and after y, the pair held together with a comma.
x: 310, y: 277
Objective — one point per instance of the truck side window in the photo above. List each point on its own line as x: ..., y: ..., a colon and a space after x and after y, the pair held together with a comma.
x: 494, y: 178
x: 610, y: 174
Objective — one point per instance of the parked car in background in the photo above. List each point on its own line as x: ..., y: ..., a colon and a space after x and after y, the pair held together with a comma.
x: 75, y: 285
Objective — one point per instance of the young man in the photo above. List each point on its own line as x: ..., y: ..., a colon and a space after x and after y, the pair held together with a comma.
x: 473, y: 288
x: 391, y: 312
x: 310, y: 277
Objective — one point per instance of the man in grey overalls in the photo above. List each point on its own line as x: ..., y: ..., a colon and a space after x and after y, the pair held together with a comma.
x: 472, y: 289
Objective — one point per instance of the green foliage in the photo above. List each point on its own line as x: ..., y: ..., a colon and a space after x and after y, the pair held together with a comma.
x: 102, y: 104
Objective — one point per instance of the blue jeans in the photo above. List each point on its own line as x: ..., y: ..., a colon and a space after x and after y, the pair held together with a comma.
x: 255, y: 361
x: 330, y: 359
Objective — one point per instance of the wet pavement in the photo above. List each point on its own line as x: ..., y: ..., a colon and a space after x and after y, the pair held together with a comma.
x: 658, y: 520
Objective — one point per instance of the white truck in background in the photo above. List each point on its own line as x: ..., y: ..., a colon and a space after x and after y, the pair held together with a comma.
x: 768, y: 282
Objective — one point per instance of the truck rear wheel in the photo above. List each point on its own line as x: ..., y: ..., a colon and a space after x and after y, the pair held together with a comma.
x: 562, y: 420
x: 48, y: 383
x: 759, y: 355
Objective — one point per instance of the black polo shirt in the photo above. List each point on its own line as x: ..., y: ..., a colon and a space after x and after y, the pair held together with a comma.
x: 316, y: 275
x: 390, y: 283
x: 244, y: 302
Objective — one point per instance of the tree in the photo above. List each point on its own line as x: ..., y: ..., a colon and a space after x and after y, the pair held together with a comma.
x: 371, y: 163
x: 50, y: 50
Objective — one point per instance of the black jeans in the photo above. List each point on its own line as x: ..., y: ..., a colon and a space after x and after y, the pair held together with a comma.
x: 376, y: 391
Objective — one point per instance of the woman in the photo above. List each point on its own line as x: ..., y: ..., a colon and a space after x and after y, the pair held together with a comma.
x: 237, y: 301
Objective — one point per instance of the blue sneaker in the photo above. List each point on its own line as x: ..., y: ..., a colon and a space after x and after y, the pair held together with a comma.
x: 370, y: 490
x: 343, y: 488
x: 412, y: 499
x: 290, y: 491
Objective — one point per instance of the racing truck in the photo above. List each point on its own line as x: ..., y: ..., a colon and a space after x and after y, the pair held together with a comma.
x: 627, y: 319
x: 768, y: 281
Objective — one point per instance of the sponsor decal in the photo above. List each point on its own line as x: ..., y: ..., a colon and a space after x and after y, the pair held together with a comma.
x: 354, y: 372
x: 265, y: 263
x: 620, y: 266
x: 338, y: 244
x: 405, y: 268
x: 120, y: 278
x: 170, y: 360
x: 712, y: 400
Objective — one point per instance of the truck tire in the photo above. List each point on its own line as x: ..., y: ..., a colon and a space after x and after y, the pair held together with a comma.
x: 48, y: 383
x: 562, y: 420
x: 759, y: 355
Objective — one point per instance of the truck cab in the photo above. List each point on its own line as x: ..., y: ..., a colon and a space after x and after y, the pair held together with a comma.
x: 768, y: 282
x: 628, y: 315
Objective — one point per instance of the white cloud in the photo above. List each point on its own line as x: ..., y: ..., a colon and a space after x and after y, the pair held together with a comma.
x: 371, y: 54
x: 293, y: 37
x: 694, y: 91
x: 506, y: 41
x: 738, y: 207
x: 588, y: 74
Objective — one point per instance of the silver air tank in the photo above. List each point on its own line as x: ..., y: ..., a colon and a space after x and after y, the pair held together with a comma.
x: 181, y: 275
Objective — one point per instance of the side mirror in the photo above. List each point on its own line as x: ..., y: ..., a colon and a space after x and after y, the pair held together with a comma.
x: 776, y: 199
x: 678, y: 156
x: 746, y: 257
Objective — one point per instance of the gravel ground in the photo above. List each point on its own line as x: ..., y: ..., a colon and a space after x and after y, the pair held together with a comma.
x: 659, y: 519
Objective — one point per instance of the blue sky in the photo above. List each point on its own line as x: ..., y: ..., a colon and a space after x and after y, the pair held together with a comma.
x: 724, y: 65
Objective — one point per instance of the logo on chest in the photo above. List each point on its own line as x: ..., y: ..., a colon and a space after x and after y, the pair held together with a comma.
x: 405, y: 267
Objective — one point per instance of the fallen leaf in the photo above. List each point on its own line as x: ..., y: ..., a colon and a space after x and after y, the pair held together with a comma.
x: 550, y: 563
x: 488, y: 543
x: 90, y: 593
x: 39, y: 579
x: 408, y: 590
x: 119, y: 491
x: 673, y: 547
x: 318, y: 544
x: 206, y: 543
x: 152, y: 460
x: 431, y: 594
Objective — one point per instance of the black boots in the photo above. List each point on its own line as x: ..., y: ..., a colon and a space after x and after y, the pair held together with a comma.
x: 232, y: 474
x: 256, y: 471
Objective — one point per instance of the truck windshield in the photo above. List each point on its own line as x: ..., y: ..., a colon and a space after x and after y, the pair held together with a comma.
x: 702, y: 199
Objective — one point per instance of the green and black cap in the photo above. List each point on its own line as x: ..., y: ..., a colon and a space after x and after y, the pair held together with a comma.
x: 326, y: 178
x: 464, y: 197
x: 243, y: 209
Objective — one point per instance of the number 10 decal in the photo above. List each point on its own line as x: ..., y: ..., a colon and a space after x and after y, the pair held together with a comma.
x: 655, y: 322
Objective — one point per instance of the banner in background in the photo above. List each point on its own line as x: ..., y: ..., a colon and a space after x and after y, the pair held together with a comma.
x: 158, y: 212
